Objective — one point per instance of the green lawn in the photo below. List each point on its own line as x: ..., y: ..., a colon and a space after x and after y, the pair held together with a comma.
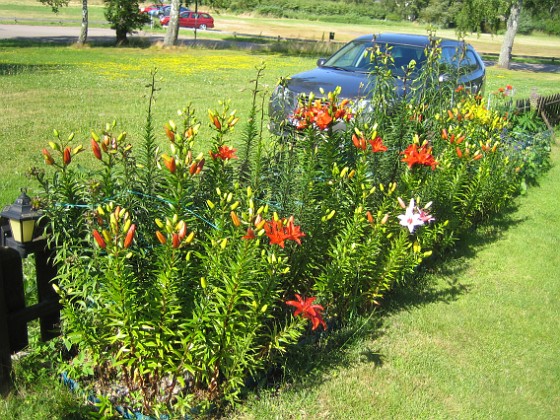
x: 480, y: 341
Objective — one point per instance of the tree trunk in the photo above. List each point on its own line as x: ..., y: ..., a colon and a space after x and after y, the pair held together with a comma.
x: 172, y: 33
x: 122, y: 38
x: 84, y: 30
x: 511, y: 31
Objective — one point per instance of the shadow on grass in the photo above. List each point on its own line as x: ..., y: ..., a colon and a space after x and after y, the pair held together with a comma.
x: 252, y: 45
x: 14, y: 69
x: 69, y: 41
x: 309, y: 363
x: 438, y: 281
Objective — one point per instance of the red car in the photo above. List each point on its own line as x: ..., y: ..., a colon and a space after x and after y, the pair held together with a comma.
x: 190, y: 19
x: 151, y: 9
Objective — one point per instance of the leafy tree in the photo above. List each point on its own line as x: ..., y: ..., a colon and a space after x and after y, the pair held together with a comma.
x: 56, y: 4
x: 124, y: 17
x: 441, y: 12
x: 476, y: 13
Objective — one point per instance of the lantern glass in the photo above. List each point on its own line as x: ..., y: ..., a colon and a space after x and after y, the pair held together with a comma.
x: 22, y: 230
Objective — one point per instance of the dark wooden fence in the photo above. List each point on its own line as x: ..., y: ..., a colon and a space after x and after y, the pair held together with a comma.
x: 549, y: 109
x: 14, y: 314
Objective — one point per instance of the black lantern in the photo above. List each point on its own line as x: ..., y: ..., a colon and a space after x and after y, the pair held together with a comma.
x: 22, y: 218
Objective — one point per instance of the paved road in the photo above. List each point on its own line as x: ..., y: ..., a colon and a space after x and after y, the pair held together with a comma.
x: 69, y: 35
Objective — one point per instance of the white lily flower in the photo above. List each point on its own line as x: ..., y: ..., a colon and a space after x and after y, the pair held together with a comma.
x: 410, y: 219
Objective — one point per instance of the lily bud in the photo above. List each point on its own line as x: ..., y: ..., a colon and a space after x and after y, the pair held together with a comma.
x: 235, y: 219
x: 200, y: 165
x: 67, y: 155
x: 48, y: 158
x: 385, y: 219
x: 176, y: 240
x: 96, y: 149
x: 169, y: 163
x: 99, y: 239
x: 161, y: 237
x: 217, y: 122
x: 129, y: 236
x: 170, y: 134
x: 182, y: 230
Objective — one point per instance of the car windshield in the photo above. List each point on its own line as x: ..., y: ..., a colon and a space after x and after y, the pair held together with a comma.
x: 363, y: 56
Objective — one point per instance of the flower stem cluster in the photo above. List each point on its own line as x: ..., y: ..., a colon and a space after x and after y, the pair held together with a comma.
x: 63, y: 149
x: 174, y: 232
x: 116, y: 231
x: 322, y: 114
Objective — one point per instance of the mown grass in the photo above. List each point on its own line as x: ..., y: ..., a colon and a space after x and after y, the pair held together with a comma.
x: 479, y: 340
x: 304, y: 28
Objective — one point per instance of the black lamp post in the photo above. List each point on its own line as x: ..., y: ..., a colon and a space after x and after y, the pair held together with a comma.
x: 22, y: 218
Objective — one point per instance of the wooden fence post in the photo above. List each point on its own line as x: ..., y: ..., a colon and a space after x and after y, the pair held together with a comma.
x: 46, y: 272
x: 11, y: 298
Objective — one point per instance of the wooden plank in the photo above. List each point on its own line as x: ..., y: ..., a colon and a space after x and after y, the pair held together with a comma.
x: 5, y: 353
x: 46, y: 272
x: 30, y: 313
x: 14, y: 295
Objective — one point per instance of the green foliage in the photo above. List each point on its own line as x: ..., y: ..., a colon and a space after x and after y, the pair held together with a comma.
x: 55, y: 4
x: 175, y: 267
x: 124, y: 17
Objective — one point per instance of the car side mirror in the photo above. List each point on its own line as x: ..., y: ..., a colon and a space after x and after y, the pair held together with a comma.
x: 321, y: 62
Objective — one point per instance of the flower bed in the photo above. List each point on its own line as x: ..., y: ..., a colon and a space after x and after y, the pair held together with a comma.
x: 183, y: 272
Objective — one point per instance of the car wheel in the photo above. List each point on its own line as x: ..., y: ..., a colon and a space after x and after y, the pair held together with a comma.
x: 203, y: 27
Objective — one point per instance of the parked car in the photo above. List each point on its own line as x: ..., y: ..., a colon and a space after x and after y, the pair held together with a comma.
x: 190, y: 19
x: 152, y: 9
x: 351, y: 69
x: 166, y: 10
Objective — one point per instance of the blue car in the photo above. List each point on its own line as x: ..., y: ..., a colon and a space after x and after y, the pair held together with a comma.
x: 351, y: 67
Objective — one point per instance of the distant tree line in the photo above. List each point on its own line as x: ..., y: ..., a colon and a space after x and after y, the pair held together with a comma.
x: 537, y: 15
x: 510, y: 16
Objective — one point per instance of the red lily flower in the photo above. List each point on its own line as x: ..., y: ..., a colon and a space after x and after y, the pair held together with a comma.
x: 224, y: 153
x: 275, y: 232
x: 293, y: 232
x: 249, y: 235
x: 323, y: 120
x: 308, y: 310
x: 419, y: 156
x: 377, y: 145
